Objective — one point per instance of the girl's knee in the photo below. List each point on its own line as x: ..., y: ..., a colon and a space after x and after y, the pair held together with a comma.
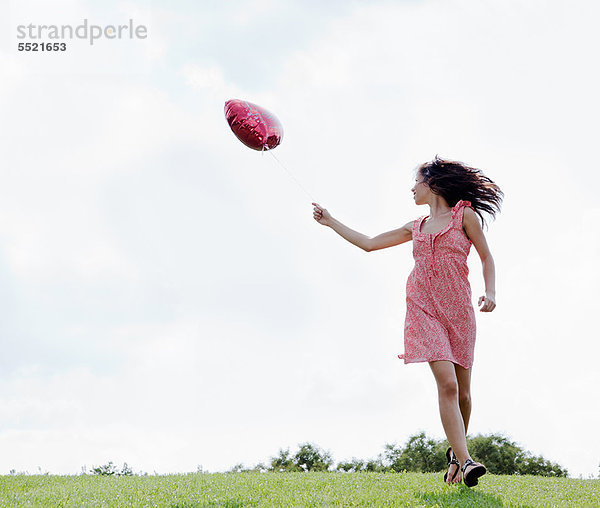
x: 464, y: 397
x: 448, y: 388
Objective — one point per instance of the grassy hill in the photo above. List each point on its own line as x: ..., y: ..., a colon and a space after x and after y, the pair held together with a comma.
x: 295, y: 490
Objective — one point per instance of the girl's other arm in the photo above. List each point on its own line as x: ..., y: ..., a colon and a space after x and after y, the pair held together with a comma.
x: 472, y: 226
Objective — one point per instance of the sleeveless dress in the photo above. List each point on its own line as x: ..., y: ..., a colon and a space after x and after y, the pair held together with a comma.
x: 440, y: 320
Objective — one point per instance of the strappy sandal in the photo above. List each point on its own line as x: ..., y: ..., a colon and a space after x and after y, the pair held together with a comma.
x: 471, y: 479
x: 451, y: 461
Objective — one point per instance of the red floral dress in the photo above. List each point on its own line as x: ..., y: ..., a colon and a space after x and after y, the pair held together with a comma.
x: 440, y: 320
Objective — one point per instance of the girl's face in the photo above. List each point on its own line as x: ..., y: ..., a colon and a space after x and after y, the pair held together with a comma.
x: 420, y: 190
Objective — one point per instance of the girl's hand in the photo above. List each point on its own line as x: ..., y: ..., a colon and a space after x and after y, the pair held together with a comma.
x: 321, y: 215
x: 489, y: 303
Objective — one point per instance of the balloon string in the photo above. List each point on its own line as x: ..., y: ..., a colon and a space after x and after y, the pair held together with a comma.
x: 290, y: 173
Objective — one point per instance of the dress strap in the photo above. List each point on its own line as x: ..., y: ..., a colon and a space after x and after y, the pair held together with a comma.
x: 458, y: 211
x: 417, y: 225
x: 461, y: 204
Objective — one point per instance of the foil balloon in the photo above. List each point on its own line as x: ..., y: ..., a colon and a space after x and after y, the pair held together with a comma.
x: 254, y: 126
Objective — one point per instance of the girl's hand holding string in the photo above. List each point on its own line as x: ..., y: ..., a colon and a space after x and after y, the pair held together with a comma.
x: 489, y: 303
x: 321, y: 215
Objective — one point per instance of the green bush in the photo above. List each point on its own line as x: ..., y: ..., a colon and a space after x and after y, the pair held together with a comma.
x: 502, y: 456
x: 420, y: 454
x: 309, y: 457
x: 111, y: 470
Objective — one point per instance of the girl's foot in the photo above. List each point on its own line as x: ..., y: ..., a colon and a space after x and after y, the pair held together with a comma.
x: 472, y: 471
x: 454, y: 474
x: 451, y: 470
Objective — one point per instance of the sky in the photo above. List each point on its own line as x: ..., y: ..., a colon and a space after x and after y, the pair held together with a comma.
x: 168, y: 299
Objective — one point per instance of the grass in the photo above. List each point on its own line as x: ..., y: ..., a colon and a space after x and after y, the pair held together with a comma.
x: 234, y: 490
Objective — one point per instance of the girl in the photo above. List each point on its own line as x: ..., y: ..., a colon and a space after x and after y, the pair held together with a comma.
x: 440, y: 322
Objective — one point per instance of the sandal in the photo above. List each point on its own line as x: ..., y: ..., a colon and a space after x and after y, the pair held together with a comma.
x: 451, y: 461
x: 471, y: 478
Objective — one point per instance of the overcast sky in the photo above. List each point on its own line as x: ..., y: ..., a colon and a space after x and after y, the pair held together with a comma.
x: 167, y: 298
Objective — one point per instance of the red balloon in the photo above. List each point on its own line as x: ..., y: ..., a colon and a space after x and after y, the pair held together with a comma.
x: 254, y: 126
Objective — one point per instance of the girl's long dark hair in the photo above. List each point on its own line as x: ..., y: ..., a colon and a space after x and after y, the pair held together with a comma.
x: 454, y: 181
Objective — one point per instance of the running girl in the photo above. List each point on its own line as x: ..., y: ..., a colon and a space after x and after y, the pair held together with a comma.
x: 440, y: 324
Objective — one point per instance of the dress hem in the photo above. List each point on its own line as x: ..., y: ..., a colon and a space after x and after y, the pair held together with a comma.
x: 421, y: 360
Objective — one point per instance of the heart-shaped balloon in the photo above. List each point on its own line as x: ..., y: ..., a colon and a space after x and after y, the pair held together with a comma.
x: 254, y: 126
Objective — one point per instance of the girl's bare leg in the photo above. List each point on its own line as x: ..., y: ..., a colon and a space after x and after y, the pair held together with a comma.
x: 451, y: 410
x: 452, y: 420
x: 463, y: 377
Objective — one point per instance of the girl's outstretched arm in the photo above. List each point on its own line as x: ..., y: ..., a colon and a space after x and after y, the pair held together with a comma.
x: 473, y: 229
x: 389, y: 239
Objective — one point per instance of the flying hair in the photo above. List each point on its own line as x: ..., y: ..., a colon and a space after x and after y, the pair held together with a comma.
x: 454, y: 180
